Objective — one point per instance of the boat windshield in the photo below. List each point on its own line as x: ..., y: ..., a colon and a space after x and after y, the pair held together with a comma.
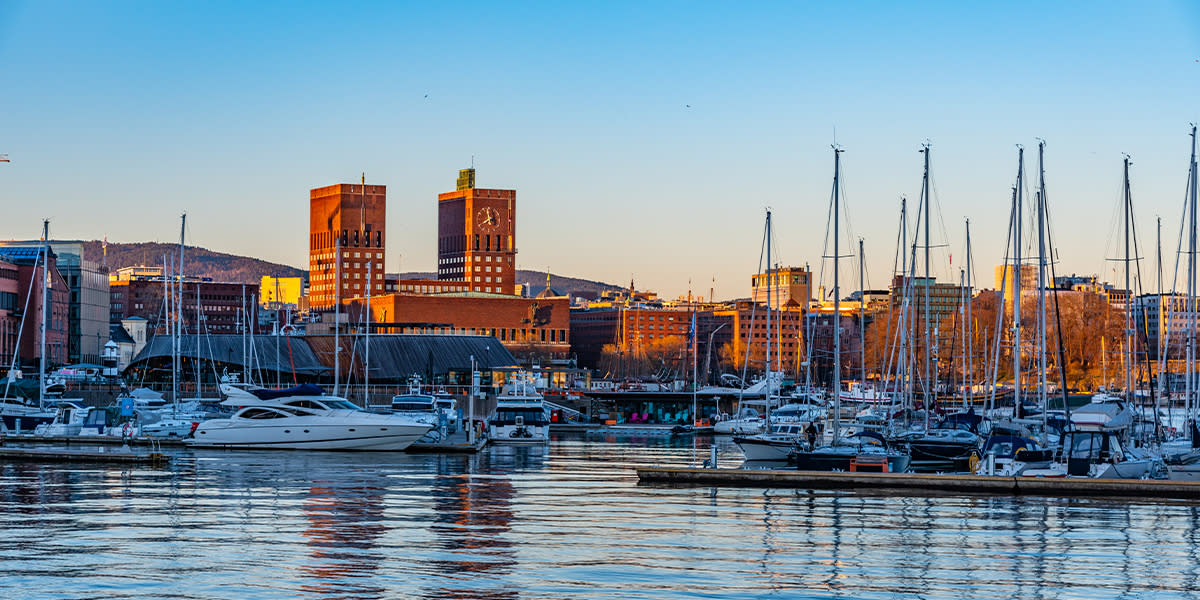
x: 409, y: 405
x: 323, y: 404
x: 339, y: 404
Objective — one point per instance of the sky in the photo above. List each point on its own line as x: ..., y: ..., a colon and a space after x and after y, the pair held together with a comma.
x: 646, y: 140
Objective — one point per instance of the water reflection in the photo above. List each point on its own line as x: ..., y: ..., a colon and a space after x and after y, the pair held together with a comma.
x: 564, y: 520
x: 345, y: 521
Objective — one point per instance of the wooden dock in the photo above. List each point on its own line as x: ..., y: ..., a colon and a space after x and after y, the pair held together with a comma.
x: 93, y: 440
x: 82, y: 456
x: 923, y: 483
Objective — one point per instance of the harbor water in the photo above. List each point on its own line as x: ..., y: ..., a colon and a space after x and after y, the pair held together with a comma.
x: 568, y: 520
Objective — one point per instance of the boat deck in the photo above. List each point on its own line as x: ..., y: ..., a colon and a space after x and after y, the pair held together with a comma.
x: 916, y: 482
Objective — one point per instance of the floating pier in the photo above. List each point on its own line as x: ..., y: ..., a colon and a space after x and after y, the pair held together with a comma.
x: 94, y: 440
x: 448, y: 447
x: 77, y: 456
x: 916, y: 482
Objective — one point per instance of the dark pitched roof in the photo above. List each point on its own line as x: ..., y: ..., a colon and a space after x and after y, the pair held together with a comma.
x: 396, y: 357
x: 269, y: 353
x: 118, y: 334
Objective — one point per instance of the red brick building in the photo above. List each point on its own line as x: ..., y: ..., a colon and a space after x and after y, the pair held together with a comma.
x: 527, y: 327
x: 749, y: 323
x: 348, y: 219
x: 220, y: 306
x: 477, y: 236
x: 10, y: 311
x: 29, y: 268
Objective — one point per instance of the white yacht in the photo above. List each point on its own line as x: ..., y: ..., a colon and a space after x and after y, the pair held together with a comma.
x: 304, y: 418
x: 424, y: 407
x: 520, y: 416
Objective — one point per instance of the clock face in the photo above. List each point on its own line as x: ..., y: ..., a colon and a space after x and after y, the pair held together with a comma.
x: 487, y: 219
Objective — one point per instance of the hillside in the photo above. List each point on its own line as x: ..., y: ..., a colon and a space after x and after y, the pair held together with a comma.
x: 243, y: 269
x: 197, y: 261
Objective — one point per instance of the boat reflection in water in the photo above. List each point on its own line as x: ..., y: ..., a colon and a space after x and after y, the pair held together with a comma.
x: 345, y: 523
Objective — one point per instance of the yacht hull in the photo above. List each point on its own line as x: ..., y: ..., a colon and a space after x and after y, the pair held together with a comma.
x: 308, y: 436
x: 761, y: 448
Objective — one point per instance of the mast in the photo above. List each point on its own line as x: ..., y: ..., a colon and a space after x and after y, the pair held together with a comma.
x: 962, y: 310
x: 337, y: 305
x: 970, y: 339
x: 178, y: 312
x: 862, y: 313
x: 1160, y: 341
x: 837, y: 303
x: 770, y: 284
x: 1189, y: 363
x: 45, y: 304
x: 904, y: 365
x: 1017, y: 282
x: 1043, y: 380
x: 370, y: 263
x: 1127, y: 205
x: 927, y: 397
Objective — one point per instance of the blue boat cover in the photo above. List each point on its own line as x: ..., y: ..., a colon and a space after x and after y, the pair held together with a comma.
x: 304, y: 389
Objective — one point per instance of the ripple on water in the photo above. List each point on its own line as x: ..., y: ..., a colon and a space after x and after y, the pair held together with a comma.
x: 568, y: 520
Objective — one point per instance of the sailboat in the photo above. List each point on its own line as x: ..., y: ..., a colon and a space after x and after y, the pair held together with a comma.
x: 954, y: 441
x: 781, y: 431
x: 864, y: 448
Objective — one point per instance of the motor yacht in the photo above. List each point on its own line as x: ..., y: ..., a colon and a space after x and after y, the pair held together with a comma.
x: 520, y: 416
x: 304, y: 418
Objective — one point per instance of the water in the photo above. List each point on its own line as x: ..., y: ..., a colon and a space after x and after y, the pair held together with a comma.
x: 564, y: 521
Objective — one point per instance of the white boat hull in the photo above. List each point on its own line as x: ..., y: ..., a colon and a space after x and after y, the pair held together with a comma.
x: 738, y: 426
x: 513, y: 434
x: 763, y: 448
x: 309, y: 433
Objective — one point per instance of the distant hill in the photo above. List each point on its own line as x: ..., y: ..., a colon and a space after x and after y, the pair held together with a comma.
x: 536, y: 280
x: 197, y: 261
x: 243, y: 269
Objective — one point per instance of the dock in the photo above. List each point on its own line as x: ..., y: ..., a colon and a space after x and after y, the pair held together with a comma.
x: 82, y: 456
x: 455, y: 443
x: 93, y: 440
x: 923, y: 483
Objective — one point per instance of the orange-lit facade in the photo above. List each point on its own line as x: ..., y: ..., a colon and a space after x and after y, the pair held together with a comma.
x: 477, y: 236
x: 750, y: 324
x: 345, y: 219
x: 526, y: 326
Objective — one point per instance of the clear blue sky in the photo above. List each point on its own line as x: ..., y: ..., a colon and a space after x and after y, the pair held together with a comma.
x: 119, y: 116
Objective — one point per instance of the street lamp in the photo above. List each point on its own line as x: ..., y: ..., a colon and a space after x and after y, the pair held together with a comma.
x: 708, y: 352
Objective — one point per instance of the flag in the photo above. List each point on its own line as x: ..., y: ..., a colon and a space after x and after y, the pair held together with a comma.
x: 692, y: 329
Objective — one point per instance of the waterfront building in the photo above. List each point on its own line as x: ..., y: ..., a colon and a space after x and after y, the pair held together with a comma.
x: 29, y: 271
x: 350, y: 219
x: 10, y: 312
x: 944, y: 298
x: 748, y: 325
x: 220, y: 308
x: 280, y: 292
x: 1164, y: 317
x: 87, y: 313
x: 783, y: 286
x: 532, y: 329
x: 477, y: 236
